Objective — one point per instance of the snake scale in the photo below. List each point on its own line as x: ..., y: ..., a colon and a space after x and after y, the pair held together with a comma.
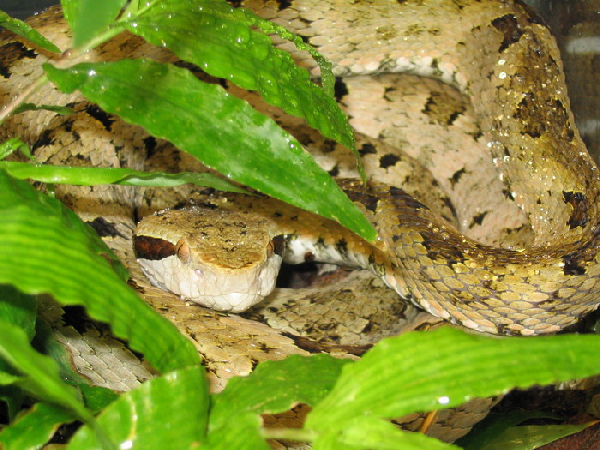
x: 536, y: 274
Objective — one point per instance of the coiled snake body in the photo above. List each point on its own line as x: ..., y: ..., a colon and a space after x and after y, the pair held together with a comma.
x: 506, y: 62
x: 508, y: 65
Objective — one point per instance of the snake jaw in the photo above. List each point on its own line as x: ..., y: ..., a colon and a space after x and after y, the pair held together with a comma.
x: 214, y: 263
x: 216, y: 288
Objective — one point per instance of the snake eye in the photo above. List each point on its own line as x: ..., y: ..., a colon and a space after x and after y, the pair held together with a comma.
x: 183, y: 251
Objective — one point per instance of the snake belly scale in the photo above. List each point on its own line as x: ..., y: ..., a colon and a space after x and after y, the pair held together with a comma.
x: 506, y: 62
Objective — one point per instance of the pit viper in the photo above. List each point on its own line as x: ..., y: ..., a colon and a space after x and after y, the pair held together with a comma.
x: 509, y: 246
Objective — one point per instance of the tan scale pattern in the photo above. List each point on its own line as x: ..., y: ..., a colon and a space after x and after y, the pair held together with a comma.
x: 508, y: 69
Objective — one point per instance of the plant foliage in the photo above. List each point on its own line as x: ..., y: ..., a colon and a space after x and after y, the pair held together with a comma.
x: 47, y: 249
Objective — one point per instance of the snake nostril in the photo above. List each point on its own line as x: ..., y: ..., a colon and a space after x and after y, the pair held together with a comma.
x: 183, y: 252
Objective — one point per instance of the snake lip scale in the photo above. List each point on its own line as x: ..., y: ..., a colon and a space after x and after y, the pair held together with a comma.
x: 505, y: 61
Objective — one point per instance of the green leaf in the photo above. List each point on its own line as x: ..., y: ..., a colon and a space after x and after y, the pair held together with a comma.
x: 47, y: 249
x: 18, y: 309
x: 229, y: 135
x: 34, y: 428
x: 97, y: 398
x: 275, y: 386
x: 372, y: 433
x: 169, y: 412
x: 11, y: 395
x: 12, y: 145
x: 22, y: 29
x: 447, y: 367
x: 90, y: 18
x: 219, y: 39
x: 530, y: 437
x: 242, y: 433
x: 93, y: 176
x: 495, y: 424
x: 24, y: 107
x: 40, y: 375
x: 499, y: 432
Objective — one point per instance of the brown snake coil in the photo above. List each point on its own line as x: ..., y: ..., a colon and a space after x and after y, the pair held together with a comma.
x: 507, y: 63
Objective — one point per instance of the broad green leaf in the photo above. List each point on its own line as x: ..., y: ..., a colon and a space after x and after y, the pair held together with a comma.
x: 372, y: 433
x: 93, y: 176
x: 168, y: 412
x: 47, y: 249
x: 97, y: 398
x: 34, y: 428
x: 219, y: 39
x: 229, y: 135
x: 18, y: 309
x: 275, y: 386
x: 241, y: 433
x: 90, y: 18
x: 22, y: 29
x: 419, y: 372
x: 40, y: 376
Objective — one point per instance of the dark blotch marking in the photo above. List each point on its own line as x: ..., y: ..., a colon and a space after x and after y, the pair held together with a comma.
x: 457, y: 176
x: 572, y: 265
x: 152, y: 248
x: 509, y: 26
x: 540, y: 117
x: 580, y: 214
x: 388, y: 161
x: 43, y: 140
x: 101, y: 116
x: 342, y: 246
x: 478, y: 219
x: 370, y: 202
x: 340, y: 88
x: 11, y: 52
x: 429, y: 105
x: 104, y: 228
x: 284, y: 4
x: 387, y: 91
x: 367, y: 149
x: 448, y: 203
x: 150, y: 145
x: 406, y: 199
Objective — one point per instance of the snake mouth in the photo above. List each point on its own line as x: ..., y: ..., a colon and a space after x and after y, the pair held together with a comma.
x: 218, y: 288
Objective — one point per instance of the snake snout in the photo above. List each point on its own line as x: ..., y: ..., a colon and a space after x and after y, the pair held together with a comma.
x: 215, y: 260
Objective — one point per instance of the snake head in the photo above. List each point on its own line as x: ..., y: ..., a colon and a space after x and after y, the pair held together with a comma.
x: 215, y: 258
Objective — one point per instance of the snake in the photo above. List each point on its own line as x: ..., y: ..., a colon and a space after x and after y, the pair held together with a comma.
x: 518, y: 94
x: 503, y: 241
